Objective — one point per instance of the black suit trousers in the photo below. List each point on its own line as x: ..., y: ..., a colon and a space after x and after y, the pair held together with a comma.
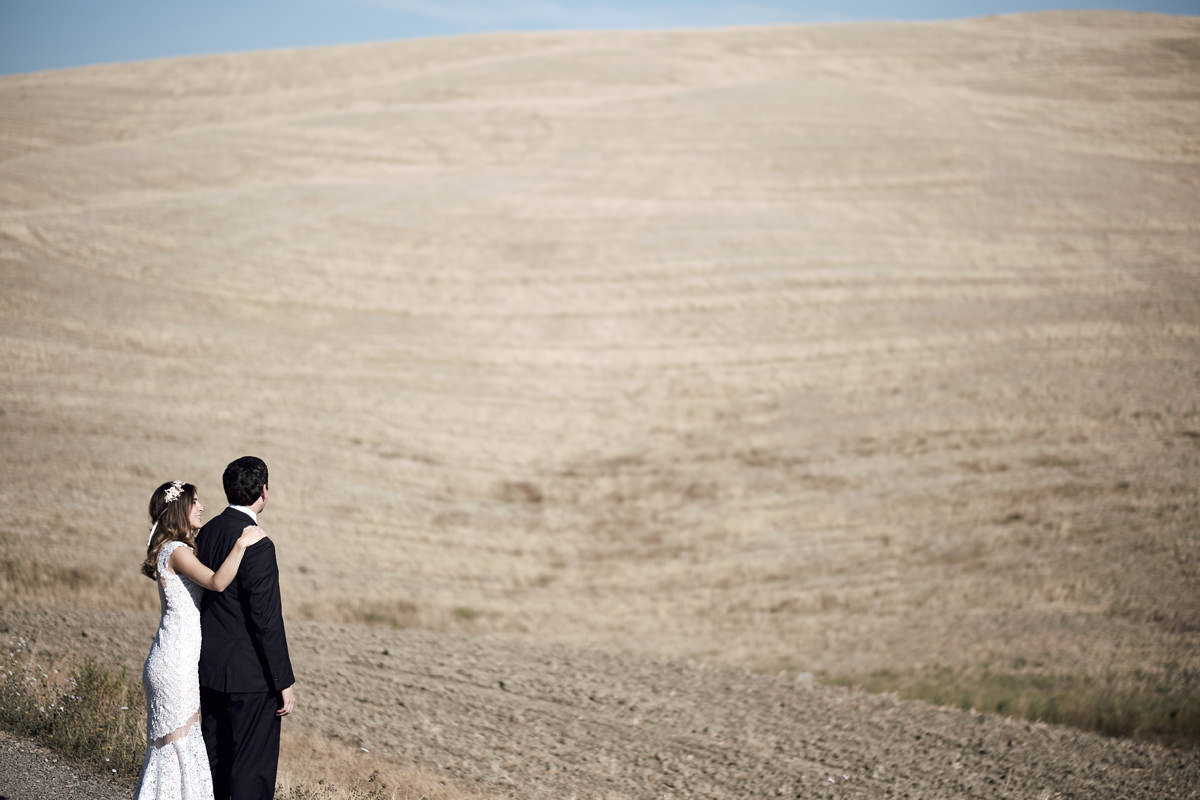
x: 241, y: 733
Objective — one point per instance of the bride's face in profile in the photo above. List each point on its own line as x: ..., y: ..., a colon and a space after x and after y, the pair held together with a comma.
x: 196, y: 514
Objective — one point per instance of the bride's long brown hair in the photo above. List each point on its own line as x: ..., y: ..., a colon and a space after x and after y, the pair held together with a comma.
x: 173, y: 523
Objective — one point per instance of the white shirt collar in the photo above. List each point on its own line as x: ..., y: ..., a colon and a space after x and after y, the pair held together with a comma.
x: 247, y: 511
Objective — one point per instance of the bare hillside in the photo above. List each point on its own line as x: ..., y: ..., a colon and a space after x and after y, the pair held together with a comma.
x: 831, y: 349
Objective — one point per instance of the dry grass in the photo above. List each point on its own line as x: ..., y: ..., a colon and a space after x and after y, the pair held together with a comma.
x: 26, y: 582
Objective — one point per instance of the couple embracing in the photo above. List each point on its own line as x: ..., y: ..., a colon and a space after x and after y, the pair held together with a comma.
x: 218, y: 679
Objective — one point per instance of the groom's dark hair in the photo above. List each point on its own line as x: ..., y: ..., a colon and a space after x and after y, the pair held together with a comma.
x: 244, y: 480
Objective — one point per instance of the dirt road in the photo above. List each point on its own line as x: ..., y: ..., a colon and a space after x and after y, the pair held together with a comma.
x: 31, y: 772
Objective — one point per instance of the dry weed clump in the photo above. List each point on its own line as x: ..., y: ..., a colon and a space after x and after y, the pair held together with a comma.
x: 398, y: 613
x: 1161, y: 708
x: 307, y: 759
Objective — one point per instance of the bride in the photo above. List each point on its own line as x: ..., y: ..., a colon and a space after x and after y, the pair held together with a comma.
x: 176, y: 764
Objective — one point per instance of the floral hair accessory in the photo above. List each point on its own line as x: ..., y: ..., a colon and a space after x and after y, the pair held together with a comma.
x: 173, y: 491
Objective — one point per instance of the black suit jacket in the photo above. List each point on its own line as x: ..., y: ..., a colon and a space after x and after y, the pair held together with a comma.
x: 243, y: 647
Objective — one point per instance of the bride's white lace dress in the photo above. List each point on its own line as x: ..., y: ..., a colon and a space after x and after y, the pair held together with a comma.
x: 176, y: 765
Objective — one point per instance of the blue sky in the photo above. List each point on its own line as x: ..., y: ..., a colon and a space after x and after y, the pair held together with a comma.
x: 48, y: 34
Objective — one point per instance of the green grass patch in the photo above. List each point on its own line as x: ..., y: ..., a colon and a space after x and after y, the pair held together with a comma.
x: 93, y: 716
x: 1137, y: 705
x: 467, y: 613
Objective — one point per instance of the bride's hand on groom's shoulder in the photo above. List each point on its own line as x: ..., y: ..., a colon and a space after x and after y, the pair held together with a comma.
x: 251, y: 535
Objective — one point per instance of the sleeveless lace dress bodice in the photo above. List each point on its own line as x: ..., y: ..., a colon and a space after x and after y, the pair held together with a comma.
x: 176, y: 764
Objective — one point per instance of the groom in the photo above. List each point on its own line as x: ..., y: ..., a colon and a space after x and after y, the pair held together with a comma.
x: 246, y: 682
